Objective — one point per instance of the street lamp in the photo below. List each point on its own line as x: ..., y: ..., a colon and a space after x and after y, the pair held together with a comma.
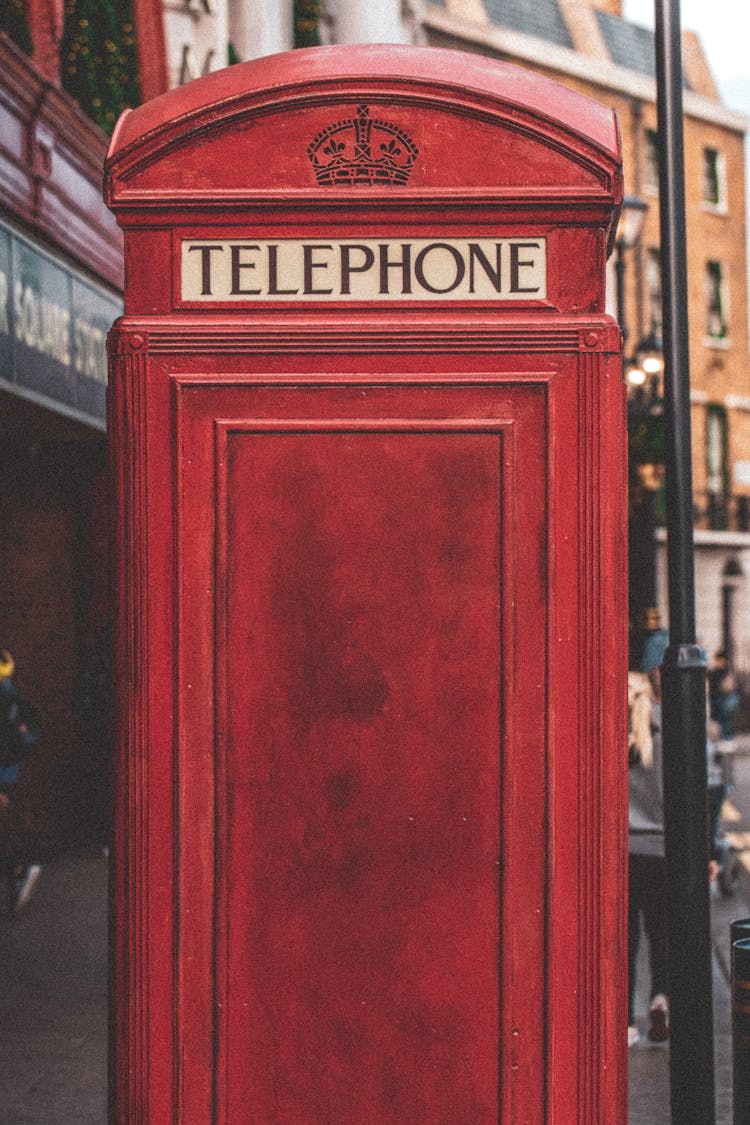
x: 644, y: 376
x: 650, y: 354
x: 629, y: 230
x: 644, y: 373
x: 644, y: 368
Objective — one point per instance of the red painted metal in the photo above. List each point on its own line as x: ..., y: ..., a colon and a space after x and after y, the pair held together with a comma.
x: 371, y: 642
x: 46, y: 26
x: 153, y: 67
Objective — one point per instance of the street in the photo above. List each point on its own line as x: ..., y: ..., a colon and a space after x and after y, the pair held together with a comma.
x: 649, y: 1062
x: 53, y: 989
x: 53, y: 998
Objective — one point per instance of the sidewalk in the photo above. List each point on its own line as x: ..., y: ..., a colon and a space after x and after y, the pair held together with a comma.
x: 648, y: 1063
x: 53, y: 998
x: 53, y: 1006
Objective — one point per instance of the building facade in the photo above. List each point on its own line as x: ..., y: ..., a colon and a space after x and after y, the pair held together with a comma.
x: 590, y: 47
x: 60, y: 289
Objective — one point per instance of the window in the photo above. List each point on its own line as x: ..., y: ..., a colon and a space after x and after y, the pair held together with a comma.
x: 653, y: 283
x: 714, y: 180
x: 652, y: 160
x: 716, y: 466
x: 716, y: 303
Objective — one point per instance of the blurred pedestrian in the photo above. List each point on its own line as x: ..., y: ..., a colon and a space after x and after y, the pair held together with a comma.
x: 724, y: 699
x: 647, y: 884
x: 19, y: 734
x: 724, y: 865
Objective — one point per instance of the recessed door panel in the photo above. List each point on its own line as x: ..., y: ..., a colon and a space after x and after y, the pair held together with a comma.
x: 357, y: 788
x: 363, y: 775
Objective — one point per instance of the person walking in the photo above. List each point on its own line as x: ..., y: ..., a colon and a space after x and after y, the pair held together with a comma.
x: 724, y: 699
x: 19, y: 734
x: 647, y: 885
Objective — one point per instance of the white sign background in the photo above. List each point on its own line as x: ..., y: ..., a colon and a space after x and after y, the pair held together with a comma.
x: 397, y: 269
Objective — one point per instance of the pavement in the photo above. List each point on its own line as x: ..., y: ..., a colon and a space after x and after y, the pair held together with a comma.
x: 648, y: 1063
x: 53, y: 993
x: 53, y: 998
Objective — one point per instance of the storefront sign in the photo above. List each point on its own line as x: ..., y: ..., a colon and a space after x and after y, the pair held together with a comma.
x: 388, y: 269
x: 53, y: 328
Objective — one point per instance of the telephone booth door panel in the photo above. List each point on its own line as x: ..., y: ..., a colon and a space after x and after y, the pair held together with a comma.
x: 368, y: 586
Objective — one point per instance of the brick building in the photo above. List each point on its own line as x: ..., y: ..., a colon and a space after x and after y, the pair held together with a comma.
x: 589, y: 46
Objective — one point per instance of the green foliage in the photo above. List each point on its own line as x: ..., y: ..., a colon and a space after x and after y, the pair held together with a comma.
x: 306, y: 23
x: 14, y: 23
x: 232, y: 56
x: 98, y: 57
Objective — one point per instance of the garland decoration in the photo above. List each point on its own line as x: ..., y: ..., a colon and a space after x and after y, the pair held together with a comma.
x: 99, y: 60
x: 15, y: 24
x: 306, y: 23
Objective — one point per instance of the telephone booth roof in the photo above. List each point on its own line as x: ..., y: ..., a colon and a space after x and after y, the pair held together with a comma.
x: 459, y: 97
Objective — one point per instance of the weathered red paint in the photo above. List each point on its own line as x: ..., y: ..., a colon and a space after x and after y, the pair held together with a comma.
x: 370, y: 814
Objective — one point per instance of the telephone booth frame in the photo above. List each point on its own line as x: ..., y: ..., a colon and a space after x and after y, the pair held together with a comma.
x: 369, y: 855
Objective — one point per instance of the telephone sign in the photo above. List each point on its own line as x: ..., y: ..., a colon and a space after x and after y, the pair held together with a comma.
x: 422, y: 269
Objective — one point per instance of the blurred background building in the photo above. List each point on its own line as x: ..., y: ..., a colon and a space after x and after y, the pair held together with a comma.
x: 68, y: 67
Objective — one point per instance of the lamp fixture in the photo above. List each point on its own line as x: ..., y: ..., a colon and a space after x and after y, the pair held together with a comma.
x: 635, y: 376
x: 631, y: 219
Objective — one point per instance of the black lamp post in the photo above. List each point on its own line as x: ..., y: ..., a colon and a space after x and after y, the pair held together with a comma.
x: 684, y: 668
x: 628, y: 232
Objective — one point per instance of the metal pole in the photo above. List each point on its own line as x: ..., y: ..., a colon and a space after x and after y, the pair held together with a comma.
x: 741, y: 1031
x: 684, y: 667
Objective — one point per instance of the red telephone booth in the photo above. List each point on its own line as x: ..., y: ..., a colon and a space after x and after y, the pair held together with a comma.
x: 367, y: 422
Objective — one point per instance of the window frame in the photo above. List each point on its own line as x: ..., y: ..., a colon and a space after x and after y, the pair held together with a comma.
x: 717, y: 466
x: 651, y: 161
x: 713, y: 167
x: 654, y: 291
x: 716, y: 291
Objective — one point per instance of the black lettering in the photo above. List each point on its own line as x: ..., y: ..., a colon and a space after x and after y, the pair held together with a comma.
x: 404, y: 265
x: 238, y: 265
x: 458, y: 260
x: 310, y: 265
x: 516, y: 265
x: 347, y: 268
x: 205, y: 267
x: 273, y: 273
x: 477, y: 254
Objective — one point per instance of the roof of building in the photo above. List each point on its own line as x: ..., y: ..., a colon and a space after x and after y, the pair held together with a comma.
x: 541, y: 18
x: 629, y: 45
